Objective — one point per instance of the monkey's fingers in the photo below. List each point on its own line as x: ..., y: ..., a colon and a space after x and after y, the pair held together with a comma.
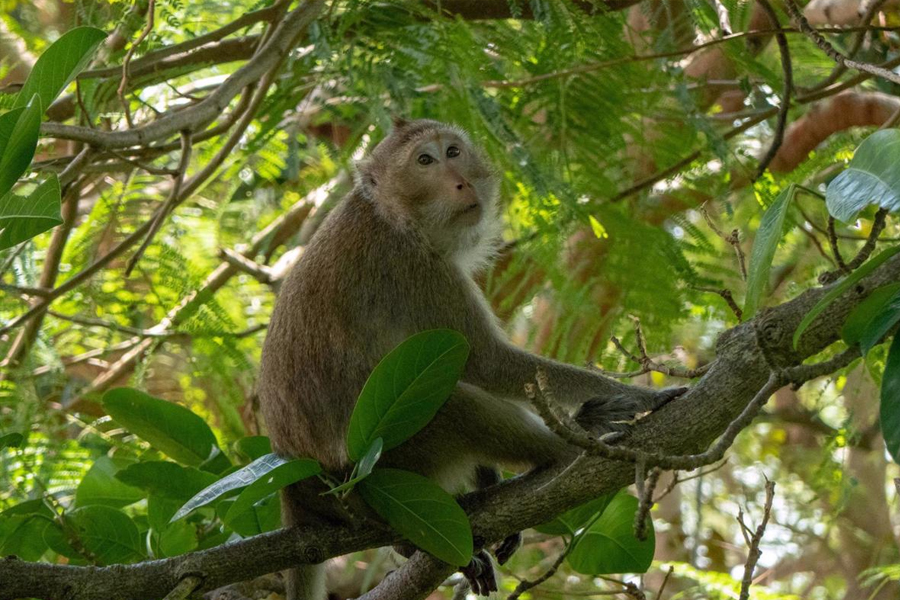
x: 508, y: 547
x: 666, y: 395
x: 480, y: 574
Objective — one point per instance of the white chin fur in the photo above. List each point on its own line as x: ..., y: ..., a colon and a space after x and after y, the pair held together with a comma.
x: 479, y: 244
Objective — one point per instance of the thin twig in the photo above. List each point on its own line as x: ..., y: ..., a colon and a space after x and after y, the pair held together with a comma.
x: 755, y: 540
x: 662, y: 586
x: 734, y: 240
x: 787, y: 89
x: 645, y: 499
x: 823, y: 44
x: 724, y: 20
x: 526, y: 585
x: 727, y: 296
x: 123, y: 85
x: 677, y: 480
x: 187, y: 586
x: 175, y: 197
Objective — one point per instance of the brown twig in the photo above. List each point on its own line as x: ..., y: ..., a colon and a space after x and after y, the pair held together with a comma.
x: 862, y: 256
x: 645, y: 499
x: 185, y: 587
x: 123, y: 85
x: 526, y: 585
x: 787, y: 88
x: 727, y: 296
x: 754, y: 540
x: 823, y: 44
x: 175, y: 197
x: 677, y: 480
x: 733, y: 239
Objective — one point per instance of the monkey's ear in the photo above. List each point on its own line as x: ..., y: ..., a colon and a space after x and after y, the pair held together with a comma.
x: 399, y: 122
x: 364, y: 173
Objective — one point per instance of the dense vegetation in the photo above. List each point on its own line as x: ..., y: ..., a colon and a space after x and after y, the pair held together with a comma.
x: 700, y: 191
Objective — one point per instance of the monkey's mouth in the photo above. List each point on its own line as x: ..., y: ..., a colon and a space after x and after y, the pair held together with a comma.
x: 471, y: 214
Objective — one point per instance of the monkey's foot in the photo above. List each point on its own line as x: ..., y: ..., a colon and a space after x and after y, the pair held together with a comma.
x: 605, y: 415
x: 508, y: 547
x: 480, y: 574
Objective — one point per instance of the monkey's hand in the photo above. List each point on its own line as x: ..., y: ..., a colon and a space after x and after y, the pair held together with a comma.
x: 480, y: 574
x: 508, y: 547
x: 616, y: 413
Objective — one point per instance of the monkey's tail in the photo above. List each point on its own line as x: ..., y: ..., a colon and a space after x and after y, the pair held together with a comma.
x: 306, y: 582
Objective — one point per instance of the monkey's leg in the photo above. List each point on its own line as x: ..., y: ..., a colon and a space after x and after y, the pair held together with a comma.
x: 486, y: 477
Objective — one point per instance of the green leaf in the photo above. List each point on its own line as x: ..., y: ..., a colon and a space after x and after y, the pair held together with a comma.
x: 263, y: 516
x: 58, y: 66
x: 862, y: 315
x: 11, y: 440
x: 173, y: 539
x: 100, y: 485
x: 608, y: 546
x: 18, y: 143
x: 424, y: 513
x: 108, y: 533
x: 269, y: 483
x: 23, y: 217
x: 572, y: 520
x: 243, y: 477
x: 166, y: 479
x: 840, y: 288
x: 890, y: 401
x: 406, y: 389
x: 363, y: 467
x: 871, y: 178
x: 170, y: 428
x: 22, y: 536
x: 770, y: 232
x: 881, y: 324
x: 253, y: 446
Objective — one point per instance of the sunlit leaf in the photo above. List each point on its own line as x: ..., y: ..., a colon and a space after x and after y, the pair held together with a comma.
x: 871, y: 178
x: 100, y: 485
x: 269, y: 483
x: 769, y: 234
x: 108, y: 534
x: 166, y: 479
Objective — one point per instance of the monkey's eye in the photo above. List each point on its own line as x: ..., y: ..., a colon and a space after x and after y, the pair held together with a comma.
x: 424, y: 159
x: 452, y: 151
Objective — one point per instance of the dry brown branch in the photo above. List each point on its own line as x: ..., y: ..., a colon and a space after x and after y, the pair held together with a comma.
x: 727, y: 296
x: 754, y: 541
x: 787, y: 89
x: 733, y: 240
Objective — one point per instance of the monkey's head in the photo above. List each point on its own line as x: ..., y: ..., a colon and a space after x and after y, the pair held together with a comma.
x: 431, y: 177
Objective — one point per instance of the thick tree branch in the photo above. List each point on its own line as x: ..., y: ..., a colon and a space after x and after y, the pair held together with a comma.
x: 745, y: 357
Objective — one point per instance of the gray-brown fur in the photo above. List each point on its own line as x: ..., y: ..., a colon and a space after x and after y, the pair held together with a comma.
x: 396, y: 258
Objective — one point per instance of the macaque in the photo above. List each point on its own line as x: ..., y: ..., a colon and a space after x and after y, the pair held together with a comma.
x: 395, y: 258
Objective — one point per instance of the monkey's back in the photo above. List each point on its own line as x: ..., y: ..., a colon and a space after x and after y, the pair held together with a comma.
x: 333, y: 321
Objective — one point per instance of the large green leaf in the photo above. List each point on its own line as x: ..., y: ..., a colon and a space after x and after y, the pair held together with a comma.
x: 243, y: 477
x: 100, y: 485
x: 59, y: 64
x: 108, y: 533
x: 279, y: 477
x: 406, y: 389
x: 422, y: 511
x: 841, y: 287
x: 23, y: 217
x: 770, y: 231
x: 22, y: 535
x: 11, y: 440
x: 572, y: 520
x: 168, y: 427
x: 263, y: 516
x: 881, y: 324
x: 608, y: 546
x: 860, y: 317
x: 20, y: 141
x: 166, y: 479
x: 890, y: 401
x: 871, y: 178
